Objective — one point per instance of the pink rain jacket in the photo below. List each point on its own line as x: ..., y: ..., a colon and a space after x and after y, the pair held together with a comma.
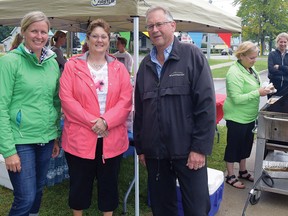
x: 80, y: 106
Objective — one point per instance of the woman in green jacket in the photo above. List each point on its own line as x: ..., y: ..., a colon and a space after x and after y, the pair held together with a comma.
x: 241, y: 110
x: 29, y: 113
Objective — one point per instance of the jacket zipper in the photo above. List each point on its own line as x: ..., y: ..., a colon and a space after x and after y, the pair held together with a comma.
x: 18, y: 121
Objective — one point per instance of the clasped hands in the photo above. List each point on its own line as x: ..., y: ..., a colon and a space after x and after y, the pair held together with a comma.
x: 100, y: 127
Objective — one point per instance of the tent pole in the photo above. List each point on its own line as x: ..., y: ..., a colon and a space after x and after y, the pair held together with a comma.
x: 208, y: 46
x: 136, y: 63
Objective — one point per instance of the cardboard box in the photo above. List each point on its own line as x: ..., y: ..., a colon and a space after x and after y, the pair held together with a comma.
x: 276, y: 164
x: 216, y: 187
x: 4, y: 177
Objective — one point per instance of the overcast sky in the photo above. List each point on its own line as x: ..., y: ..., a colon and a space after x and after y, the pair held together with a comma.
x: 225, y: 5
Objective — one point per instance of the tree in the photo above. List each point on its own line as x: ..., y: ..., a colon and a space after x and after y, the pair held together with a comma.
x: 262, y: 20
x: 5, y: 32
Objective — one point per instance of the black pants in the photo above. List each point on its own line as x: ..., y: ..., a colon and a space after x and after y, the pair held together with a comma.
x: 162, y: 176
x: 82, y: 175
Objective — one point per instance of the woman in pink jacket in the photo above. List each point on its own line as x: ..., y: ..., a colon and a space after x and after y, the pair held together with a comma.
x: 96, y: 97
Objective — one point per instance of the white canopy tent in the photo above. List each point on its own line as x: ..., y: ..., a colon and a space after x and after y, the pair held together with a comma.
x: 74, y: 15
x: 124, y: 15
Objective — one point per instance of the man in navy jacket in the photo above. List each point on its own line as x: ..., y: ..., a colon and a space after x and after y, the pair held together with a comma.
x: 174, y: 120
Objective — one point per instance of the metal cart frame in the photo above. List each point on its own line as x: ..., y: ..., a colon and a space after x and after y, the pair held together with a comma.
x: 270, y: 127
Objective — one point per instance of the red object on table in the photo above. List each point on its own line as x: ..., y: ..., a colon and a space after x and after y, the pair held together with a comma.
x: 220, y: 98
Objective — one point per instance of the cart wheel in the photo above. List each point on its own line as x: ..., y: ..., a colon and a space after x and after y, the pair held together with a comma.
x: 254, y: 198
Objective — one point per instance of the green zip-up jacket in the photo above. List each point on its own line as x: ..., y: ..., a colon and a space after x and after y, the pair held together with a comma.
x: 242, y: 102
x: 29, y: 101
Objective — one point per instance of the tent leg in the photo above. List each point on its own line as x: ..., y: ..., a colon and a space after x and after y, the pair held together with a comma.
x: 127, y: 195
x: 136, y: 64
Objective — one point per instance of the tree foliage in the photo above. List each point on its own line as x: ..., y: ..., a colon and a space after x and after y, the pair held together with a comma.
x: 262, y: 20
x: 5, y: 32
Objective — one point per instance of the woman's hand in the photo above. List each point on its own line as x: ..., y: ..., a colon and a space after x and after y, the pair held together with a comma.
x: 264, y: 91
x: 100, y: 127
x: 56, y: 149
x: 13, y: 163
x: 276, y: 67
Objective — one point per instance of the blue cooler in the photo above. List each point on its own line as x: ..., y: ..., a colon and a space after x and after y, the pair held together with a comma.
x: 216, y: 187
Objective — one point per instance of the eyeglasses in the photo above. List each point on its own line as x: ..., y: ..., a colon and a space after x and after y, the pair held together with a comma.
x: 158, y: 25
x: 97, y: 37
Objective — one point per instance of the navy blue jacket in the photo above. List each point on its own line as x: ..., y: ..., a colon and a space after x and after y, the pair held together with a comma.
x: 176, y: 114
x: 276, y: 58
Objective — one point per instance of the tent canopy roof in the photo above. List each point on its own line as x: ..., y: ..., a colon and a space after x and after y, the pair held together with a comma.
x: 74, y: 15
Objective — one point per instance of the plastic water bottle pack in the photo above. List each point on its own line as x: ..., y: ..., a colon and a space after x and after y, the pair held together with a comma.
x: 58, y: 169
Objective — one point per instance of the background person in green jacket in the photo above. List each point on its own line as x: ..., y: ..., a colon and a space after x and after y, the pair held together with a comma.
x: 29, y: 113
x: 241, y: 110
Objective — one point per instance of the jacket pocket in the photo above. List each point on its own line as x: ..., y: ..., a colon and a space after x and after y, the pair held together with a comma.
x: 150, y: 94
x: 19, y: 118
x: 175, y: 90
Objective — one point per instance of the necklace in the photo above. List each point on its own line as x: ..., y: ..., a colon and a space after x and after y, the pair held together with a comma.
x: 97, y: 66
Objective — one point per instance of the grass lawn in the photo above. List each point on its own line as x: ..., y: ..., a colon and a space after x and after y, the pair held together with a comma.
x: 55, y: 198
x: 260, y: 65
x: 218, y: 61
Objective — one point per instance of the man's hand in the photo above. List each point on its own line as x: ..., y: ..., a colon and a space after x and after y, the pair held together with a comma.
x: 142, y: 159
x: 195, y: 160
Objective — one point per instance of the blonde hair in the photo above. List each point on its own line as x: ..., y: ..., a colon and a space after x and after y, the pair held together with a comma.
x: 32, y: 17
x: 246, y: 48
x: 57, y: 34
x: 281, y: 35
x: 17, y: 41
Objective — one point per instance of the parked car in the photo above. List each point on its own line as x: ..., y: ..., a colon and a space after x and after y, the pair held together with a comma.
x: 227, y: 51
x: 77, y: 50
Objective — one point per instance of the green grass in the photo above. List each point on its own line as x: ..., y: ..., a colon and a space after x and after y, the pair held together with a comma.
x: 218, y: 61
x: 55, y: 198
x: 260, y: 65
x: 215, y: 160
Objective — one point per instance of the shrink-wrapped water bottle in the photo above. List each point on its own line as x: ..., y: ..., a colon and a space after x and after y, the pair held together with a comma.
x: 65, y: 169
x: 50, y: 177
x: 52, y: 163
x: 59, y: 174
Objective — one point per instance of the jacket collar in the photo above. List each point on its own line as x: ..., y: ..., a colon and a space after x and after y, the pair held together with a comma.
x: 109, y: 58
x: 277, y: 50
x: 174, y: 54
x: 22, y: 50
x: 176, y: 49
